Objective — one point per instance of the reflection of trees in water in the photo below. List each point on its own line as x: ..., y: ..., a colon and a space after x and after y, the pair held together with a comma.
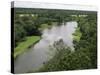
x: 58, y: 46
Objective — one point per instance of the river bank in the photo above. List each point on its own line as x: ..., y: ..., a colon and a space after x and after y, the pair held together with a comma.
x: 24, y: 45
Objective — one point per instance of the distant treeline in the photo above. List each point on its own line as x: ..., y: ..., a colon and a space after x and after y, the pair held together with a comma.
x: 37, y: 11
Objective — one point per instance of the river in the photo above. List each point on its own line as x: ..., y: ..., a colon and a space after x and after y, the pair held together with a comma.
x: 34, y: 58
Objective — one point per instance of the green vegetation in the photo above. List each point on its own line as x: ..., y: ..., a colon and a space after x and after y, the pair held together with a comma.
x: 85, y: 54
x: 24, y: 45
x: 44, y: 26
x: 84, y: 38
x: 77, y: 35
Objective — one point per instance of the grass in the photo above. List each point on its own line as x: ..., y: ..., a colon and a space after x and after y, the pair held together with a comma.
x: 24, y: 45
x: 77, y: 35
x: 46, y: 25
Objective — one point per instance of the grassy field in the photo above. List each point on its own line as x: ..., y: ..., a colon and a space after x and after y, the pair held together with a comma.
x: 24, y: 45
x: 45, y: 26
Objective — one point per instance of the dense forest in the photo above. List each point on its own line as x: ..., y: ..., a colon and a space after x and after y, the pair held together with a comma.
x: 28, y: 26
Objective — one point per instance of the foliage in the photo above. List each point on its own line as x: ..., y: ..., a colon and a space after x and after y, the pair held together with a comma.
x: 24, y: 26
x: 85, y: 55
x: 77, y: 35
x: 85, y: 36
x: 24, y: 45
